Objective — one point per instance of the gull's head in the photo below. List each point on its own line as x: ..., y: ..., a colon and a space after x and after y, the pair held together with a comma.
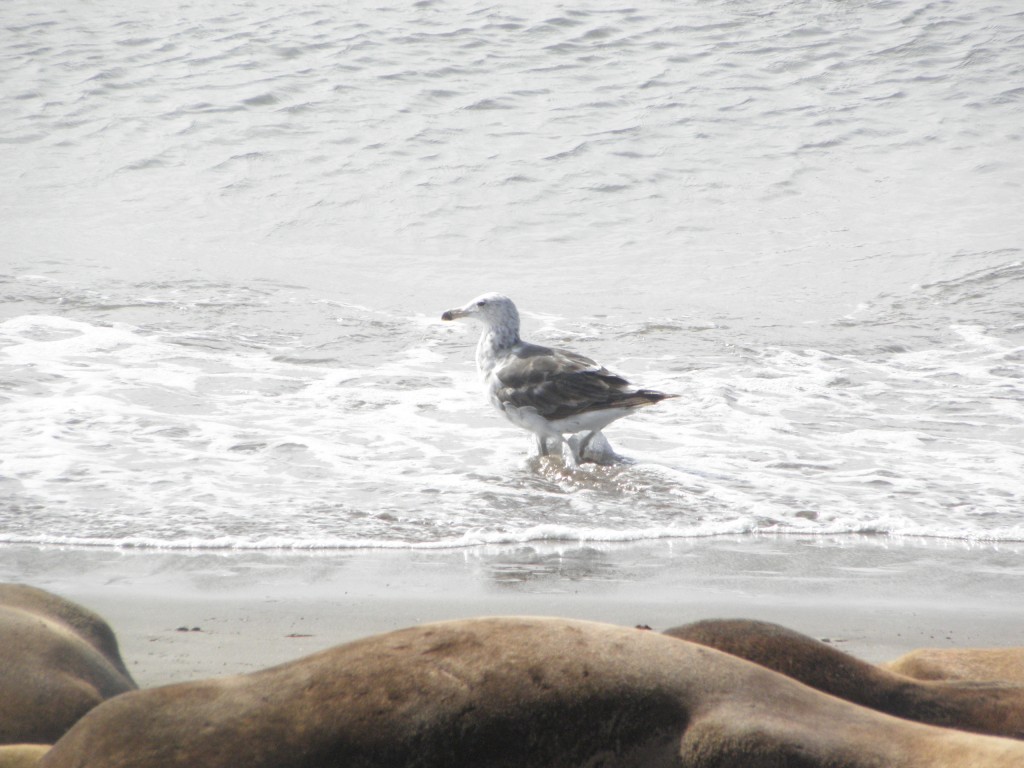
x: 491, y: 309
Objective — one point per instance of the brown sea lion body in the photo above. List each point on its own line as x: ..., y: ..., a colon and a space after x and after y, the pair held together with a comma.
x: 59, y: 660
x: 529, y: 692
x: 990, y: 709
x: 22, y: 755
x: 1004, y: 665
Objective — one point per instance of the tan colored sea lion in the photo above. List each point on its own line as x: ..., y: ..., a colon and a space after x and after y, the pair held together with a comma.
x: 994, y: 664
x: 22, y: 755
x: 59, y: 661
x: 991, y: 709
x: 527, y: 692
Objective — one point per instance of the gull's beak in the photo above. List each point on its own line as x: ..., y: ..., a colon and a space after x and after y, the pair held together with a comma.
x: 454, y: 314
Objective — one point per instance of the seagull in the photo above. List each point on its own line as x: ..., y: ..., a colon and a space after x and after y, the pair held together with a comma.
x: 549, y: 392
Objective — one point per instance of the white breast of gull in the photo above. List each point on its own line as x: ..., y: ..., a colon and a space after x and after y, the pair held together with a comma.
x: 549, y: 392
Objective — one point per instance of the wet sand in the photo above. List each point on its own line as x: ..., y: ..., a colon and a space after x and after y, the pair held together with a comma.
x: 188, y: 615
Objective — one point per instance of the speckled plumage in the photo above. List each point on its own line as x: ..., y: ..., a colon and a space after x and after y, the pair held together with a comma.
x: 549, y: 392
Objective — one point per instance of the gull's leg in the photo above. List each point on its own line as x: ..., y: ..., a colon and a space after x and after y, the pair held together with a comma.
x: 548, y: 444
x: 592, y: 446
x: 556, y: 444
x: 571, y: 453
x: 548, y: 441
x: 580, y: 443
x: 585, y: 440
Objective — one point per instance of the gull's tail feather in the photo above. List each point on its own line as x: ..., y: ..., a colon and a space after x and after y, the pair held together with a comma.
x: 645, y: 397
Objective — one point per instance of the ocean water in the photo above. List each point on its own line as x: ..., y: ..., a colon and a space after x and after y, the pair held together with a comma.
x: 228, y: 231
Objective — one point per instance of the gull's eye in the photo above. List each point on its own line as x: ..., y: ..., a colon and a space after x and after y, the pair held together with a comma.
x: 481, y: 303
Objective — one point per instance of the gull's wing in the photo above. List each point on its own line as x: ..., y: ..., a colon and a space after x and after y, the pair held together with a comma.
x: 560, y: 384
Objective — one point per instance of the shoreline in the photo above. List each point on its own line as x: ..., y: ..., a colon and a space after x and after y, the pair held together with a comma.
x: 873, y: 597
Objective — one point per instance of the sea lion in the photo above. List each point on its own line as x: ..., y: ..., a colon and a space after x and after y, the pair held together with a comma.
x: 993, y: 709
x: 994, y: 664
x: 526, y: 692
x: 59, y: 661
x: 22, y: 755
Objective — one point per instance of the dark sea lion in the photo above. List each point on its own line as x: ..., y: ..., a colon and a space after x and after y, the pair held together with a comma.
x: 59, y: 661
x: 991, y: 709
x: 529, y: 692
x: 994, y: 664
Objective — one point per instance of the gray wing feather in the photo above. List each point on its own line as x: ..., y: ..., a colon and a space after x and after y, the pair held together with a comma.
x: 560, y: 384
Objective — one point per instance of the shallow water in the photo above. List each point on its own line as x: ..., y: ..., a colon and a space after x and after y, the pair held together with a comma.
x: 229, y: 230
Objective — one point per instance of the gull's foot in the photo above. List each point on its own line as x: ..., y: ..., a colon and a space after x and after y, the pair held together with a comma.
x: 547, y: 446
x: 593, y: 447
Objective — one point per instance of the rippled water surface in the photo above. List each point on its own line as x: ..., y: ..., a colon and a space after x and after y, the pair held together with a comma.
x: 229, y: 229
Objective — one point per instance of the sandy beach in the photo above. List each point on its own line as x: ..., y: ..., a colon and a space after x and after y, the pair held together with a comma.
x: 189, y: 615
